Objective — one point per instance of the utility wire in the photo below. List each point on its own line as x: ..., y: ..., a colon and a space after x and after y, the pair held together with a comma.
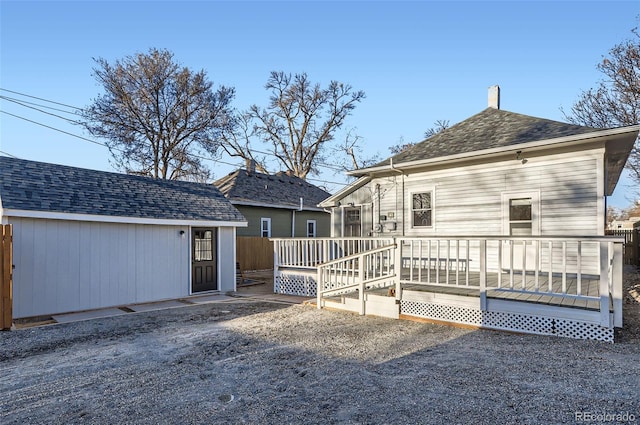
x: 39, y: 98
x: 27, y: 105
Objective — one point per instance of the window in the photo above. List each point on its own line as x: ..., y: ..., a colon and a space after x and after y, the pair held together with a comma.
x: 520, y: 217
x: 422, y: 209
x: 203, y: 245
x: 311, y: 228
x: 265, y: 227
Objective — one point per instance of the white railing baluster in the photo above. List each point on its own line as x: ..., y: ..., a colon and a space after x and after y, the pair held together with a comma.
x: 579, y: 270
x: 524, y: 265
x: 564, y: 267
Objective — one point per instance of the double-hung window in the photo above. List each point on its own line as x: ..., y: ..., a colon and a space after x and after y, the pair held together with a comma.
x: 422, y: 209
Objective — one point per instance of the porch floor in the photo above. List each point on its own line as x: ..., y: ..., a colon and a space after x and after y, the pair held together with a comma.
x: 427, y: 281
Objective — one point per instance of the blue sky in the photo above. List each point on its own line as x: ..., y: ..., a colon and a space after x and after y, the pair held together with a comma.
x: 417, y: 62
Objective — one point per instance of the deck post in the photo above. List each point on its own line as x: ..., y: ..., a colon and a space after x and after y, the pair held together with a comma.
x: 616, y: 283
x: 483, y: 274
x: 276, y: 247
x: 605, y: 318
x: 361, y: 283
x: 319, y: 288
x: 397, y: 267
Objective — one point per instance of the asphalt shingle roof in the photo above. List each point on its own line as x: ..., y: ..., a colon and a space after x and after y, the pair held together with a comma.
x: 491, y: 128
x: 37, y: 186
x: 279, y: 189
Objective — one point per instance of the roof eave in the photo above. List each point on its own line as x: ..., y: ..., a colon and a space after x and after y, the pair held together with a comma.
x: 537, y: 145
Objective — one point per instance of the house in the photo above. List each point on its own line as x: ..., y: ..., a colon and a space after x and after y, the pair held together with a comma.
x: 495, y: 173
x: 496, y: 222
x: 627, y: 224
x: 85, y: 239
x: 279, y: 205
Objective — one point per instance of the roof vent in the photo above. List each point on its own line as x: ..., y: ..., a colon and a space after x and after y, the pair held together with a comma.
x: 494, y: 97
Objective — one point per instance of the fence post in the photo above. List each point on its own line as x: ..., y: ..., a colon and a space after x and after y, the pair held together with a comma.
x: 6, y: 275
x: 483, y: 274
x: 319, y: 286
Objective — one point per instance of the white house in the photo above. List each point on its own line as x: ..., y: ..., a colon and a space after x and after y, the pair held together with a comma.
x: 497, y: 221
x: 85, y: 239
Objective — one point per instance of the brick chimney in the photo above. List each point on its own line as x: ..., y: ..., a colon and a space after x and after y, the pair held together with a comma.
x: 494, y: 97
x: 250, y: 165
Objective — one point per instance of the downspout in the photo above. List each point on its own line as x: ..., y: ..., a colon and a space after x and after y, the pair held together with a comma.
x: 403, y: 194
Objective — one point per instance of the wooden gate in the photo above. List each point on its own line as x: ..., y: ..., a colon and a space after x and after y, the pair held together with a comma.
x: 6, y: 276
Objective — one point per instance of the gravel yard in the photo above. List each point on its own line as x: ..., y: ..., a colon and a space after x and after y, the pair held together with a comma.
x: 254, y: 362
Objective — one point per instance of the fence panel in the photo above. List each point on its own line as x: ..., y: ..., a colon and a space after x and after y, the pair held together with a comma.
x: 254, y: 253
x: 631, y: 243
x: 6, y: 275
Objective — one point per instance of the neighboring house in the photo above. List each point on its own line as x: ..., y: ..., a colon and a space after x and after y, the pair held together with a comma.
x: 495, y: 173
x: 625, y: 224
x: 280, y: 205
x: 85, y: 239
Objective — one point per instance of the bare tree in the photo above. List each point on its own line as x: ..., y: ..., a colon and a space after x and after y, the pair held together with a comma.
x: 351, y: 153
x: 156, y: 116
x: 615, y: 101
x: 299, y: 121
x: 438, y: 126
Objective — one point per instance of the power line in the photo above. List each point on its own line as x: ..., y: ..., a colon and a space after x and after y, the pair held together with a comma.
x: 40, y: 110
x: 39, y: 98
x: 27, y: 105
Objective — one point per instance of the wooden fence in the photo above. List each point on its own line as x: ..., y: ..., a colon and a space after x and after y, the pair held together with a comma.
x: 6, y: 274
x: 631, y: 243
x: 254, y: 253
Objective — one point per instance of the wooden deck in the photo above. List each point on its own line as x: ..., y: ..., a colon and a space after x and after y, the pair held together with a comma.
x: 468, y: 284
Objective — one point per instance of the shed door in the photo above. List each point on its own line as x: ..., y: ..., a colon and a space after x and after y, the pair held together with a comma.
x: 204, y: 275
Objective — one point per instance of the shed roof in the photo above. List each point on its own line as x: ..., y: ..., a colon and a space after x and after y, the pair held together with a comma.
x: 280, y: 190
x: 43, y: 187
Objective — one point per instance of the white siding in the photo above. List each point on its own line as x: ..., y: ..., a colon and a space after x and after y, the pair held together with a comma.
x: 64, y: 266
x: 468, y: 200
x: 227, y: 258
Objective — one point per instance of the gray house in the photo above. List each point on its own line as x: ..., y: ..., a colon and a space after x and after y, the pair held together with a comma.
x: 278, y: 205
x: 86, y: 239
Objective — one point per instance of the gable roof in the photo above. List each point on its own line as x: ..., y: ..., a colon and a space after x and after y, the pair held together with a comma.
x: 42, y: 187
x: 491, y: 128
x: 281, y: 190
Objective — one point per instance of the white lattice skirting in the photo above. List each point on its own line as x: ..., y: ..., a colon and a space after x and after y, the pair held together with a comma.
x: 508, y: 321
x: 301, y: 283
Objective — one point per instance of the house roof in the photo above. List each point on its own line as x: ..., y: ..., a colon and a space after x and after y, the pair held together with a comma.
x: 42, y: 187
x: 491, y: 128
x: 495, y: 132
x: 280, y: 190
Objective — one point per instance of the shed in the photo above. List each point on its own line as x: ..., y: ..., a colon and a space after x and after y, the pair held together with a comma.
x: 86, y: 239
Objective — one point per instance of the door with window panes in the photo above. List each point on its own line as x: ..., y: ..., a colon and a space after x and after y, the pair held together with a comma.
x: 204, y: 276
x: 521, y: 218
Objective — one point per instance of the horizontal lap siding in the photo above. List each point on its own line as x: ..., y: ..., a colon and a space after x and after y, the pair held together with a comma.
x: 469, y: 201
x: 66, y: 266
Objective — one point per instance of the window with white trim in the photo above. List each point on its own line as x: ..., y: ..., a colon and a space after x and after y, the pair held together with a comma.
x: 311, y: 228
x: 520, y: 217
x: 422, y: 209
x: 265, y: 227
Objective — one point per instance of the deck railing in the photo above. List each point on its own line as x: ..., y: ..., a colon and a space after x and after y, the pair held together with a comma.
x: 361, y: 271
x: 586, y: 269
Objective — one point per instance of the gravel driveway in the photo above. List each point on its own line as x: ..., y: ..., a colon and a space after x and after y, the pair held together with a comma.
x: 271, y: 363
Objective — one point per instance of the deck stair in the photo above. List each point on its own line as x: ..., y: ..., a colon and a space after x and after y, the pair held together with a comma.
x: 363, y: 283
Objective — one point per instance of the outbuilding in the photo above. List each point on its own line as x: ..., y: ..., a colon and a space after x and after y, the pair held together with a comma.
x: 86, y: 239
